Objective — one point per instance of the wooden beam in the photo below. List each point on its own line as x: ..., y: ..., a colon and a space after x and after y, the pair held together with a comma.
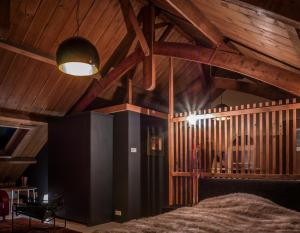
x: 112, y: 77
x: 138, y: 32
x: 31, y: 53
x: 4, y: 17
x: 149, y: 61
x: 129, y: 90
x: 238, y: 63
x: 132, y: 108
x: 261, y: 90
x: 21, y: 119
x: 191, y: 13
x: 18, y: 160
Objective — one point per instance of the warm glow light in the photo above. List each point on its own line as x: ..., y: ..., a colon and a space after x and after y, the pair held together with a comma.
x: 192, y: 119
x: 78, y: 68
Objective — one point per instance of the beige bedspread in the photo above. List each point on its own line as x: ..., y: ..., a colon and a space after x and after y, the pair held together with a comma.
x: 230, y: 213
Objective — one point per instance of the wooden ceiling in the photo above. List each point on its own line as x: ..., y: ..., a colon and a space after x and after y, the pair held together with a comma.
x: 29, y: 86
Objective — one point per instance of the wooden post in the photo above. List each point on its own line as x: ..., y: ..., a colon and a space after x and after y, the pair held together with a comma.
x: 171, y: 133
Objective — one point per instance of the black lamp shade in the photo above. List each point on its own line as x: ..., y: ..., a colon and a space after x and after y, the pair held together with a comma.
x: 77, y: 56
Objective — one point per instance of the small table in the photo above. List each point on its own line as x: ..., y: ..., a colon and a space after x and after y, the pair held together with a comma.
x: 16, y: 190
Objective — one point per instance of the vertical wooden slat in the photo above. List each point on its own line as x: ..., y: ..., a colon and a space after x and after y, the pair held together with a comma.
x: 200, y: 144
x: 294, y: 139
x: 280, y: 141
x: 230, y: 143
x: 254, y: 141
x: 215, y: 144
x: 171, y: 133
x: 274, y: 154
x: 236, y: 142
x: 181, y: 158
x: 176, y: 162
x: 194, y: 146
x: 243, y: 140
x: 261, y: 140
x: 287, y: 141
x: 190, y: 151
x: 248, y: 142
x: 226, y: 142
x: 129, y: 90
x: 220, y: 143
x: 185, y: 160
x: 267, y: 141
x: 209, y: 143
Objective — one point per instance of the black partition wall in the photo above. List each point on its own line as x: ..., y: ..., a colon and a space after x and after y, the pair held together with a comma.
x: 80, y: 166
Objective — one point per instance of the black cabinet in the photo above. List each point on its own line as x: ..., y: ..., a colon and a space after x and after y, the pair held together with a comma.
x: 80, y: 165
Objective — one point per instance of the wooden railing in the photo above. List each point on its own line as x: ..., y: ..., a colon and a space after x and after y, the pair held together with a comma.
x: 258, y: 141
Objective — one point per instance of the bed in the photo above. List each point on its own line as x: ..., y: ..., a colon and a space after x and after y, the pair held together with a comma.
x: 236, y: 212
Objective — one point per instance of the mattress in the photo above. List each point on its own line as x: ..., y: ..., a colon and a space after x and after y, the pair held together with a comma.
x: 236, y: 212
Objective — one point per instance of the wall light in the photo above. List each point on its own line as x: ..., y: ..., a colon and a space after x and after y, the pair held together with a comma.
x: 192, y: 119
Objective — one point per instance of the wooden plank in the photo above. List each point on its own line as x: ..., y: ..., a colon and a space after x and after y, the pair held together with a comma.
x: 280, y: 141
x: 261, y: 141
x: 200, y: 145
x: 274, y: 143
x: 235, y: 62
x: 267, y: 141
x: 294, y: 117
x: 194, y: 163
x: 243, y: 142
x: 171, y: 132
x: 294, y: 37
x: 112, y: 77
x: 190, y: 163
x: 193, y: 14
x: 149, y: 79
x: 254, y: 141
x: 287, y: 142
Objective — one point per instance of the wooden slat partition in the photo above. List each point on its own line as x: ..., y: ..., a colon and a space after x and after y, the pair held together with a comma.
x: 252, y: 141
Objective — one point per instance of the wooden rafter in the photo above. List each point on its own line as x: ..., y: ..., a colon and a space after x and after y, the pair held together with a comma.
x: 166, y: 32
x: 149, y: 61
x: 31, y: 53
x: 20, y: 119
x: 190, y: 12
x: 250, y: 67
x: 294, y: 37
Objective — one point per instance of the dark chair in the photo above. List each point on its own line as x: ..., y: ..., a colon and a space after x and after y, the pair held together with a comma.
x: 4, y: 204
x: 45, y: 212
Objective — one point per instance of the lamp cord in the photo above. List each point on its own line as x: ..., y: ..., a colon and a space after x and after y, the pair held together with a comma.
x: 77, y: 17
